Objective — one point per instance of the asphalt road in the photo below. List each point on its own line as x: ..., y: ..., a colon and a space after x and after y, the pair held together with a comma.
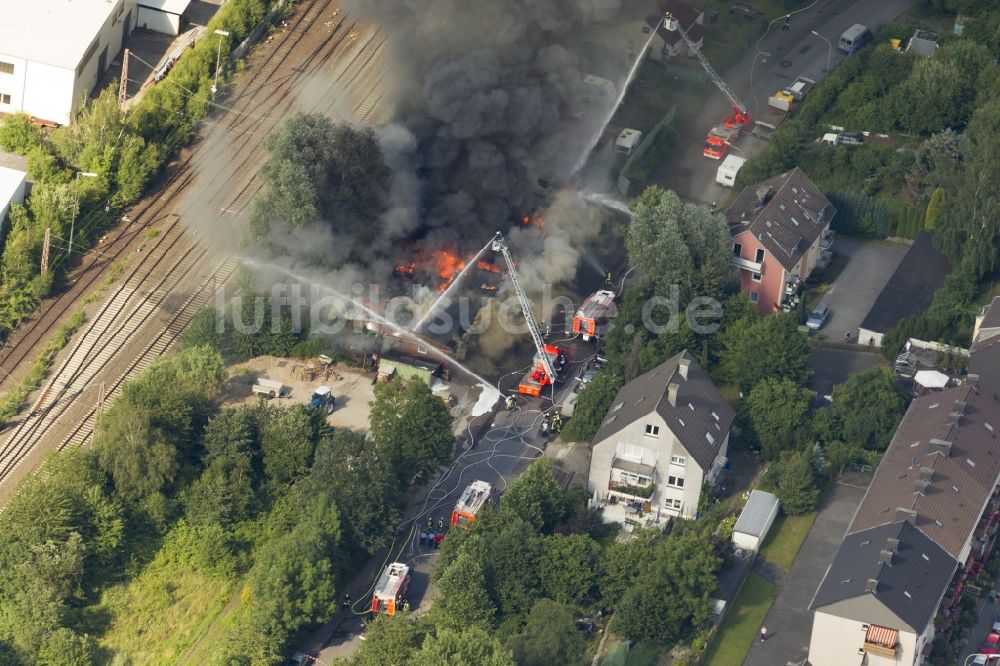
x: 784, y: 55
x: 852, y: 294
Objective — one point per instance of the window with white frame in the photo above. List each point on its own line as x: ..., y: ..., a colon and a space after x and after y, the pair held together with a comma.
x: 755, y: 277
x: 6, y: 67
x: 678, y: 460
x: 630, y: 452
x: 652, y: 430
x: 754, y: 297
x: 675, y: 481
x: 672, y: 504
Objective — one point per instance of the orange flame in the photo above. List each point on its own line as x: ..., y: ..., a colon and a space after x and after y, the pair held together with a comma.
x: 484, y: 265
x: 533, y: 220
x: 448, y: 265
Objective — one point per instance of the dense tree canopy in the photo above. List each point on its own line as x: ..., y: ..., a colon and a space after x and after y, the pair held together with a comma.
x: 677, y: 243
x: 779, y: 413
x: 320, y: 169
x: 868, y: 408
x: 755, y: 349
x: 411, y: 429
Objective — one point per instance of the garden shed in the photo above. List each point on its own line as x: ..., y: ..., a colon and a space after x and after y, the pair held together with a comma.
x: 755, y: 520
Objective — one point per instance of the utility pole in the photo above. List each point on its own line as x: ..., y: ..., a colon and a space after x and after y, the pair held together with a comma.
x: 123, y: 83
x: 45, y: 249
x: 76, y: 207
x: 218, y: 60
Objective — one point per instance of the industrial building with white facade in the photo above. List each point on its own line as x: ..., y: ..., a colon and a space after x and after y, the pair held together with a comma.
x: 54, y: 52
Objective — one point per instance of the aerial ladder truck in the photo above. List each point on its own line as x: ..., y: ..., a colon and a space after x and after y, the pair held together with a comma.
x: 549, y: 360
x: 720, y: 137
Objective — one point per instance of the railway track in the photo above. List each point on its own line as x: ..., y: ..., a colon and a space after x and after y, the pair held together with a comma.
x: 66, y: 410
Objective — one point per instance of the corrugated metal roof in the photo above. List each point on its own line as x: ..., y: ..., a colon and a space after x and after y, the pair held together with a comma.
x: 753, y: 519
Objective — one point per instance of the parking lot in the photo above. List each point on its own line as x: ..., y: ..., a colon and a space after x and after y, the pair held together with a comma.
x: 870, y: 265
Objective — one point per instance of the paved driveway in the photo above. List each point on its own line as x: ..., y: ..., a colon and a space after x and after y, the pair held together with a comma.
x: 789, y: 623
x: 852, y: 294
x: 833, y: 366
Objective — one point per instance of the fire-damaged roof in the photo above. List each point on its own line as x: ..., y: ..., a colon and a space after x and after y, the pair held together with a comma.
x: 940, y: 468
x: 700, y: 417
x: 786, y: 213
x: 894, y: 565
x: 685, y: 13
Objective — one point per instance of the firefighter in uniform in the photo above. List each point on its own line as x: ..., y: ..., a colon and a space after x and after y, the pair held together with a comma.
x: 608, y: 278
x: 511, y: 403
x: 406, y: 605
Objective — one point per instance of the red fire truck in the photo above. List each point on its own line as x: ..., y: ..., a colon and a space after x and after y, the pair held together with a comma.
x: 391, y: 589
x: 592, y: 318
x: 719, y: 139
x: 537, y: 378
x: 473, y: 498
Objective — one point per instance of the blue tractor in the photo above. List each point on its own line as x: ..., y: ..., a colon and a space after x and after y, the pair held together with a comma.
x: 322, y: 398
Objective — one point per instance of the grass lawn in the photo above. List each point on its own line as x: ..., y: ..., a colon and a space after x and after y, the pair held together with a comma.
x: 644, y: 655
x: 742, y: 622
x: 783, y: 541
x: 157, y: 616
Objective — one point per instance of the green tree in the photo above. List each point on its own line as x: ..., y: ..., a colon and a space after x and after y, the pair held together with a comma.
x: 452, y: 647
x: 366, y: 492
x: 287, y: 440
x: 549, y: 637
x: 793, y: 480
x: 463, y: 597
x: 672, y: 597
x: 536, y: 498
x: 869, y: 407
x: 620, y: 567
x: 64, y: 647
x: 133, y: 453
x: 18, y: 134
x: 318, y: 168
x: 779, y: 412
x: 757, y: 349
x: 411, y: 429
x: 388, y: 640
x: 677, y: 243
x: 592, y: 406
x: 569, y: 568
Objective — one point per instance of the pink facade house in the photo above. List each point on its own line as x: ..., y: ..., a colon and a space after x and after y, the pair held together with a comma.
x: 779, y: 227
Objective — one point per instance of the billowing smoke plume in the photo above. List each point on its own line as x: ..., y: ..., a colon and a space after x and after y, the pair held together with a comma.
x: 491, y: 97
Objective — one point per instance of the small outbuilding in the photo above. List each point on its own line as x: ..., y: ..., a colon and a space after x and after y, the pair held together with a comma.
x: 166, y: 16
x: 12, y: 190
x: 755, y: 520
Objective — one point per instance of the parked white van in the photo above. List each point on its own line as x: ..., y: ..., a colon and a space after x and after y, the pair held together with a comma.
x: 854, y: 38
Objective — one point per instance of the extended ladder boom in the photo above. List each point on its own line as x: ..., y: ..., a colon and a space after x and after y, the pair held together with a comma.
x: 671, y: 23
x: 500, y: 245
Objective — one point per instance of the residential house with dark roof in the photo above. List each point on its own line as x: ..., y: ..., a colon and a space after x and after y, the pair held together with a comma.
x: 665, y: 436
x: 669, y: 43
x: 928, y: 519
x: 908, y: 292
x: 778, y: 227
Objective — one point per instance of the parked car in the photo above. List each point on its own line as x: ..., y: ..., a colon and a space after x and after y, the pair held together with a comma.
x: 818, y: 317
x: 587, y: 376
x: 992, y: 644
